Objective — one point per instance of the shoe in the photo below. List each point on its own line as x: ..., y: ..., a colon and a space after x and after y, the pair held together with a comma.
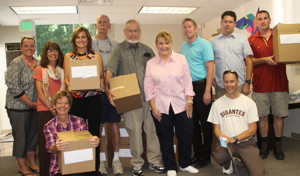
x: 171, y: 173
x: 117, y: 167
x: 189, y: 169
x: 264, y: 151
x: 137, y: 171
x: 102, y: 168
x: 202, y: 163
x: 157, y: 168
x: 229, y: 170
x: 35, y: 171
x: 278, y: 153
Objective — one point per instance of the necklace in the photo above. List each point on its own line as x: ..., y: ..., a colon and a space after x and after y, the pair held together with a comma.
x: 104, y: 52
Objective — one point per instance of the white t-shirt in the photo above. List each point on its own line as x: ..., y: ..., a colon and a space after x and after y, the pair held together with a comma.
x: 233, y: 115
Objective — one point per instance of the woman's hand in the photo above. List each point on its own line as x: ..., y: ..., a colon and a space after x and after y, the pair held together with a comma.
x: 94, y: 141
x: 156, y: 114
x: 189, y: 109
x: 61, y: 145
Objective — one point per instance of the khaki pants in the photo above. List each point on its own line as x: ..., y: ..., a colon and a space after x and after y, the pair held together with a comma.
x: 247, y: 151
x: 134, y: 122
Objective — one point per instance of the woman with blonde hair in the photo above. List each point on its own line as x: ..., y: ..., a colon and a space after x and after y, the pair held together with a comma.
x: 169, y: 91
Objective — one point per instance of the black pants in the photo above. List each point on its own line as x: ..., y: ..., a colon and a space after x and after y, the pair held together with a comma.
x: 183, y: 130
x: 201, y: 144
x: 90, y: 110
x: 44, y: 157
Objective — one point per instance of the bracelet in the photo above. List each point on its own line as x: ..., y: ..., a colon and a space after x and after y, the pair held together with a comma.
x: 189, y: 101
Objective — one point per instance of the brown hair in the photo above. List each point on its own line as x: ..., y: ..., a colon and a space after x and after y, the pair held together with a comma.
x: 63, y: 93
x: 191, y: 20
x: 50, y: 45
x: 88, y: 35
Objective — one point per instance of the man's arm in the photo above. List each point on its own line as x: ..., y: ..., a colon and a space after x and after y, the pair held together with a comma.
x: 109, y: 75
x: 246, y: 134
x: 209, y: 80
x: 264, y: 60
x: 249, y: 68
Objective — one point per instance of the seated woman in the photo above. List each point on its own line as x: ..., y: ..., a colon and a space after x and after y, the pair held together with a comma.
x: 169, y: 91
x: 63, y: 121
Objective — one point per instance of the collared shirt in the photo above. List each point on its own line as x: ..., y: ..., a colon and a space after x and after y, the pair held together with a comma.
x: 267, y: 78
x: 230, y: 52
x: 168, y: 83
x: 50, y: 131
x: 19, y: 80
x: 126, y: 60
x: 197, y: 54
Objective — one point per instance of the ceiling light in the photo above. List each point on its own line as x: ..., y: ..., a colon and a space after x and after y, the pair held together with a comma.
x: 168, y: 10
x: 45, y: 10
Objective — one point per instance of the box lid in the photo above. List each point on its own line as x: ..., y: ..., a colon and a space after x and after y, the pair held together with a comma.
x: 124, y: 86
x: 74, y: 135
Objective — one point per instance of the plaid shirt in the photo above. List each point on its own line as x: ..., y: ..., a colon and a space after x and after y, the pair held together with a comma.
x: 50, y: 131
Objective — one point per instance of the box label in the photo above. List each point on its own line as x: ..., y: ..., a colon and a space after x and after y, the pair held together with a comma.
x: 77, y: 156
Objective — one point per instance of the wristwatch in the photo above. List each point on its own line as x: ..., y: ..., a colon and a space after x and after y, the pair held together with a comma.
x: 236, y: 139
x: 248, y: 81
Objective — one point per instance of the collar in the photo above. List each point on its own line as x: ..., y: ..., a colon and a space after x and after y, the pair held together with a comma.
x: 56, y: 122
x: 232, y: 35
x: 128, y: 45
x: 195, y: 42
x: 158, y: 60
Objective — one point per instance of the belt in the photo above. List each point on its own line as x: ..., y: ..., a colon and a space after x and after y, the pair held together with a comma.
x: 199, y: 81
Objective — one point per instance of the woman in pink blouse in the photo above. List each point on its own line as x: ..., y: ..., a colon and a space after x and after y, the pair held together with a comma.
x: 169, y: 91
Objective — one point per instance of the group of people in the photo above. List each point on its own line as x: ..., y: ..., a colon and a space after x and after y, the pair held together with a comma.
x: 176, y: 91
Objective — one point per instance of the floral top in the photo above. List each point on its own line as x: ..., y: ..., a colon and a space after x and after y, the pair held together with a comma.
x: 19, y: 81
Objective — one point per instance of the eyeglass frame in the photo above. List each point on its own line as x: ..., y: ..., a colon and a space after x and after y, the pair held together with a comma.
x: 105, y: 52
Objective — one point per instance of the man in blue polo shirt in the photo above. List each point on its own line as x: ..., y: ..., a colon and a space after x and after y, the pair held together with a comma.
x: 199, y: 54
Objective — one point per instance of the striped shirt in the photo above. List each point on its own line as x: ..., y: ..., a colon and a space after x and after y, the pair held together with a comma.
x: 50, y: 131
x: 230, y: 52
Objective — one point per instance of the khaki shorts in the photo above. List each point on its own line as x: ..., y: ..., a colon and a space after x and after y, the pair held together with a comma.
x: 278, y: 101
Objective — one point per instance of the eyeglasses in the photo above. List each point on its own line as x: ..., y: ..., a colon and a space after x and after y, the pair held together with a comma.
x: 64, y: 103
x: 104, y: 52
x: 52, y: 50
x: 230, y: 71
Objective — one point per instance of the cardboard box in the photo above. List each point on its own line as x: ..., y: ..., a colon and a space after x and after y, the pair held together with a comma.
x: 84, y: 74
x: 127, y: 93
x: 79, y: 156
x: 286, y: 43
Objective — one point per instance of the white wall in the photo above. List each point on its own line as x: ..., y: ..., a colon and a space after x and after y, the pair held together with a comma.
x: 281, y: 11
x: 8, y: 34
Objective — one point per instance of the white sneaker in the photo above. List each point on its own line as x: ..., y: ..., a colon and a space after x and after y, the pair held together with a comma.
x: 117, y: 167
x: 171, y: 173
x: 229, y: 170
x: 102, y: 168
x: 189, y: 169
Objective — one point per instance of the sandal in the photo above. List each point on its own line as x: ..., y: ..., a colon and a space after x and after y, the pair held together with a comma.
x: 22, y: 174
x: 35, y: 171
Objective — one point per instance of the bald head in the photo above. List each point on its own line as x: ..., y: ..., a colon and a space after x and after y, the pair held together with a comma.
x: 102, y: 25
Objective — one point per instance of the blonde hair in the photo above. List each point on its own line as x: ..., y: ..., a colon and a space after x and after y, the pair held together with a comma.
x: 165, y: 35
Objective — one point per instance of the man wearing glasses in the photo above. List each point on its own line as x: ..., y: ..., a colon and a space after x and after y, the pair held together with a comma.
x: 231, y: 52
x: 235, y: 117
x: 128, y: 57
x: 104, y: 45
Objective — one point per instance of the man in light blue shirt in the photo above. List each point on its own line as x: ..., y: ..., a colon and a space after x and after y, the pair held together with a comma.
x: 199, y: 55
x: 232, y: 52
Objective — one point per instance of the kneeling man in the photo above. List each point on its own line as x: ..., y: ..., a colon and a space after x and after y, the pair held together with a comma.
x: 235, y: 117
